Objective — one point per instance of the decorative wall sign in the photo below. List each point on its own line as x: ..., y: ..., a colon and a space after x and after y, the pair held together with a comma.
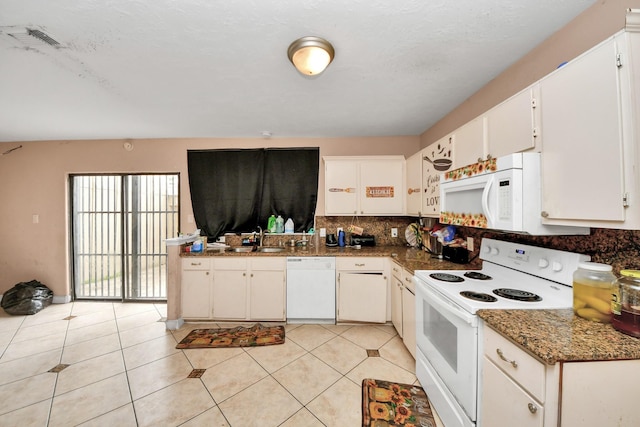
x: 387, y: 192
x: 438, y: 158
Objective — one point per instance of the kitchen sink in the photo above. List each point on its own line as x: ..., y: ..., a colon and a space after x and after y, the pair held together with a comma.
x: 242, y: 249
x: 270, y: 249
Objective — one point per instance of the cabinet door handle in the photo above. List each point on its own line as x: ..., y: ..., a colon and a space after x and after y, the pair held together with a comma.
x: 359, y: 265
x: 512, y: 362
x: 207, y: 273
x: 406, y: 279
x: 196, y: 263
x: 532, y: 408
x: 244, y: 274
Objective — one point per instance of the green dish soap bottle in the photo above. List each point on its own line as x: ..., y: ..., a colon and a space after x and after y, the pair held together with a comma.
x: 271, y: 224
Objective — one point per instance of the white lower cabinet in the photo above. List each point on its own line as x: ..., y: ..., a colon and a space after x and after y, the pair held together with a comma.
x: 396, y: 297
x: 362, y: 287
x: 403, y: 309
x: 249, y: 288
x: 513, y: 385
x: 519, y: 390
x: 196, y: 288
x: 234, y: 288
x: 267, y: 288
x: 230, y: 282
x: 507, y: 405
x: 409, y: 313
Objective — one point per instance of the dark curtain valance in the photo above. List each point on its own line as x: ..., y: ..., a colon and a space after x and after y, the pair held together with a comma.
x: 237, y: 190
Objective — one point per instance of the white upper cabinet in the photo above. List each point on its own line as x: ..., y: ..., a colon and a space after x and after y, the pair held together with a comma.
x: 436, y: 160
x: 511, y: 125
x: 341, y: 186
x: 414, y: 184
x: 469, y: 143
x: 372, y: 185
x: 590, y: 156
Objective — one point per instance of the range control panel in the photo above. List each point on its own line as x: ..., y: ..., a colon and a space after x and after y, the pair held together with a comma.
x: 550, y: 264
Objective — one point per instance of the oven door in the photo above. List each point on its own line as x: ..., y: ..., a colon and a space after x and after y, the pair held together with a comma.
x: 448, y: 337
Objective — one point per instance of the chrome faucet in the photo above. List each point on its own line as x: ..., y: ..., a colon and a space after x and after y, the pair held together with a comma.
x: 261, y: 236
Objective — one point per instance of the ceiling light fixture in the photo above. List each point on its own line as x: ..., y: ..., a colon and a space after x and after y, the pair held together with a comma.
x: 311, y: 55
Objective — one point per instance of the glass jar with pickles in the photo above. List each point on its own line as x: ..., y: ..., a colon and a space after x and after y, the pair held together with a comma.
x: 593, y: 287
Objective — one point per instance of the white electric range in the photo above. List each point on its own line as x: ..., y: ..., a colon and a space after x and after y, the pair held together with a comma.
x: 513, y: 276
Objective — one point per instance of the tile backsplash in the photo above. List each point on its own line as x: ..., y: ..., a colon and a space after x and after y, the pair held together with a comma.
x: 378, y: 226
x: 618, y: 248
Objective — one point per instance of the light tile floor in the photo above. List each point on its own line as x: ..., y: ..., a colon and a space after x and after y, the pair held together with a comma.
x: 124, y: 370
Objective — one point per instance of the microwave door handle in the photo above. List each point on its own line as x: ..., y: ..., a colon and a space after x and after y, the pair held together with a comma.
x: 485, y: 200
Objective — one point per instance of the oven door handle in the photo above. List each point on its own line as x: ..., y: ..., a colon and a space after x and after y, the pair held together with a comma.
x: 442, y: 305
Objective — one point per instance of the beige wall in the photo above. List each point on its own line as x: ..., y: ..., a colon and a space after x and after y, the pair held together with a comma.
x: 34, y: 181
x: 603, y: 19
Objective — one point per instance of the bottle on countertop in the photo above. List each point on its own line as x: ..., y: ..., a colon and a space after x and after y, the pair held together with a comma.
x: 341, y: 239
x: 288, y: 226
x: 271, y: 224
x: 279, y: 224
x: 625, y: 305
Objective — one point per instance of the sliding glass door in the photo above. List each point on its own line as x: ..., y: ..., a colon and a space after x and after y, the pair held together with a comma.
x: 119, y: 224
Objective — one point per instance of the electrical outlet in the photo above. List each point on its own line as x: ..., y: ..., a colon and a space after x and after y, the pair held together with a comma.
x: 221, y: 239
x: 339, y: 229
x: 190, y: 219
x: 470, y: 243
x: 394, y: 232
x: 323, y: 232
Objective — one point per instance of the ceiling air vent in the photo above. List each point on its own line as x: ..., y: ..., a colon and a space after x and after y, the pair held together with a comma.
x: 41, y: 35
x: 30, y: 37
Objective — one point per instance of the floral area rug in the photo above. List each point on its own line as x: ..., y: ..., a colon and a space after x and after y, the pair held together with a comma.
x: 391, y: 404
x: 233, y: 337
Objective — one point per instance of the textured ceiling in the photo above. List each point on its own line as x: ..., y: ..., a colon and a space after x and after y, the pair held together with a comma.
x: 209, y: 68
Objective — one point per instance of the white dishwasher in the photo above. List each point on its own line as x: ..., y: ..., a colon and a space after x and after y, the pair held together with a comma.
x: 311, y: 290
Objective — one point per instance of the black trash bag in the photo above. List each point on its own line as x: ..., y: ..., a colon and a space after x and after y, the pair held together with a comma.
x: 26, y: 298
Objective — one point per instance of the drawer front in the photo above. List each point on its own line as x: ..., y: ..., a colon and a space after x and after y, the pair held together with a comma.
x: 504, y: 403
x: 396, y: 270
x: 269, y: 263
x: 523, y: 368
x: 194, y: 263
x: 230, y: 263
x: 360, y: 264
x: 407, y: 281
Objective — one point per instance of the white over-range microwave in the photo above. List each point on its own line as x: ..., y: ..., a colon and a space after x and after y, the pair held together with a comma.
x: 502, y: 193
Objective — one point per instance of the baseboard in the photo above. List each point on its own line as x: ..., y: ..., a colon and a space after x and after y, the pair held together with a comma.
x: 61, y: 299
x: 172, y: 325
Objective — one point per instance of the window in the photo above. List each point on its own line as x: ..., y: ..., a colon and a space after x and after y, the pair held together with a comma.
x: 237, y: 190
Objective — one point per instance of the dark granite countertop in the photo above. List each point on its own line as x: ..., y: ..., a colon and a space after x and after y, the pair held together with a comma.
x: 560, y: 336
x: 410, y: 258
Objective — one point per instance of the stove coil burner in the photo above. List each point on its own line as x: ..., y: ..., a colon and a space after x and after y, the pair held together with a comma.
x: 446, y: 277
x: 477, y: 275
x: 476, y: 296
x: 517, y: 294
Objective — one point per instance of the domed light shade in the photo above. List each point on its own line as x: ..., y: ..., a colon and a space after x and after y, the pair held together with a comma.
x: 310, y: 55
